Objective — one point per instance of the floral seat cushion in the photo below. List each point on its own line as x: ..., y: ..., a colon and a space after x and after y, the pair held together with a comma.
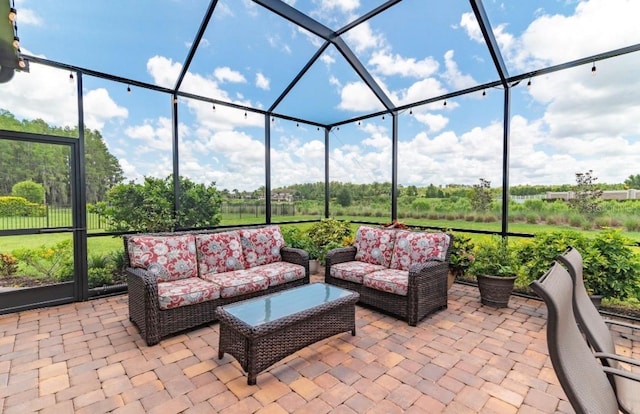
x: 238, y: 282
x: 388, y: 280
x: 374, y: 245
x: 167, y: 257
x: 261, y: 246
x: 182, y: 292
x: 353, y: 271
x: 418, y: 247
x: 278, y: 273
x: 219, y: 252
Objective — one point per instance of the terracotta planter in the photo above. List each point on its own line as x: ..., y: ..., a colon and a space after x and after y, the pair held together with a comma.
x: 495, y: 291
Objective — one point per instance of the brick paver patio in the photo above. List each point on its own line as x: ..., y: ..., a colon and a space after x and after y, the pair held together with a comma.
x: 89, y: 358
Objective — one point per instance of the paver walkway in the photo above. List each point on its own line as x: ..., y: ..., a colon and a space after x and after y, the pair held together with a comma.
x: 89, y: 358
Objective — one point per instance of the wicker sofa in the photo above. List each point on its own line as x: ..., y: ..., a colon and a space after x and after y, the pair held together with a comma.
x: 400, y: 272
x: 177, y: 280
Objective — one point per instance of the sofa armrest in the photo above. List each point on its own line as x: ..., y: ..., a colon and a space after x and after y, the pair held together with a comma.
x: 296, y: 256
x: 340, y: 255
x: 144, y: 307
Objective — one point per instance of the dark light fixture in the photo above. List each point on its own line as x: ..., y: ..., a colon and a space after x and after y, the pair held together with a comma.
x: 445, y: 103
x: 70, y: 76
x: 128, y: 89
x: 410, y: 111
x: 484, y: 93
x: 593, y: 69
x: 213, y: 107
x: 529, y: 83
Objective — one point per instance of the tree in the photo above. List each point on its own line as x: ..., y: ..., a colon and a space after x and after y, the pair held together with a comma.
x: 587, y: 194
x: 481, y: 196
x: 633, y: 181
x: 344, y: 198
x: 32, y: 192
x: 149, y: 207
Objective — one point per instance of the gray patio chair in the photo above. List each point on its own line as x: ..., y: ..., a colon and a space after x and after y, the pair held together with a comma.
x: 582, y: 377
x: 596, y: 328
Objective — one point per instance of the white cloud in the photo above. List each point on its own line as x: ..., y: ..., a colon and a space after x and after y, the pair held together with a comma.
x: 389, y: 64
x: 100, y: 108
x: 363, y: 38
x: 46, y: 93
x: 454, y: 76
x: 356, y: 96
x: 262, y: 81
x: 226, y: 74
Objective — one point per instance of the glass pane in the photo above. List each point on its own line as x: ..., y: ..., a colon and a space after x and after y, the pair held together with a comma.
x: 43, y: 101
x: 35, y: 260
x: 360, y: 165
x: 35, y: 185
x: 269, y: 308
x: 297, y: 171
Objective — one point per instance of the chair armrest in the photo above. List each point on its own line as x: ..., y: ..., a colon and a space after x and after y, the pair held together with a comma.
x: 340, y: 255
x: 616, y: 357
x: 622, y: 373
x: 621, y: 323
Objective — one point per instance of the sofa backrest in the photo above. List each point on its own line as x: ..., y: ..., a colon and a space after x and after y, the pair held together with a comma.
x: 170, y: 257
x: 261, y: 246
x: 219, y: 252
x: 413, y: 247
x: 375, y: 245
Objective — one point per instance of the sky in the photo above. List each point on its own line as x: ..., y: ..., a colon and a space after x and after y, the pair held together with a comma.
x: 562, y: 123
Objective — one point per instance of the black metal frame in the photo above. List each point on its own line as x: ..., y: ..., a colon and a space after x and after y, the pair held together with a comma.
x: 330, y: 37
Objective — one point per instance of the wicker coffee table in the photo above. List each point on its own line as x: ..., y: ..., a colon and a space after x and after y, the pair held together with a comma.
x: 260, y: 332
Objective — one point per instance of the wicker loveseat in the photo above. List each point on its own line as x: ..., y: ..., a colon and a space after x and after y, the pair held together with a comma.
x: 398, y: 271
x: 177, y: 280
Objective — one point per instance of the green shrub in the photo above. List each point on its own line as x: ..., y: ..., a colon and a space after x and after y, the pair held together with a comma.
x: 532, y: 218
x: 20, y: 207
x: 328, y: 234
x: 632, y: 224
x: 31, y: 191
x: 610, y: 266
x: 55, y: 262
x: 99, y: 276
x: 148, y: 207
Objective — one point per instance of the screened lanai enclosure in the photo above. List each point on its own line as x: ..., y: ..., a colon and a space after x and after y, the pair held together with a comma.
x: 292, y: 111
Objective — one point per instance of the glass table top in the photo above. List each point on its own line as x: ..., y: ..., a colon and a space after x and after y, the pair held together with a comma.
x: 263, y: 309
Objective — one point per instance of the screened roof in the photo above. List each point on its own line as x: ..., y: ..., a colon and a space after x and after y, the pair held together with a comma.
x: 334, y: 63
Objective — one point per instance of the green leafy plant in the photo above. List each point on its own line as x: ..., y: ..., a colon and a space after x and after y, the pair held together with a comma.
x: 610, y: 267
x: 481, y: 196
x: 495, y: 257
x: 149, y: 207
x: 53, y: 262
x: 328, y: 234
x: 462, y: 254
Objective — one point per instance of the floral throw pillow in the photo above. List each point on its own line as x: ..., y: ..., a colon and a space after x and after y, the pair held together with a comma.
x: 418, y: 247
x: 374, y: 245
x: 219, y: 252
x: 167, y: 257
x: 261, y: 246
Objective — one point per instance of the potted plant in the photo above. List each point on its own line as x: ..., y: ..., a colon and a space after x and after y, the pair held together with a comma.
x: 328, y: 234
x: 461, y: 257
x: 299, y: 239
x: 496, y: 267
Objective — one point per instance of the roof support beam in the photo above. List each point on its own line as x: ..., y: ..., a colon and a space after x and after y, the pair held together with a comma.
x: 363, y: 73
x: 296, y: 17
x: 490, y: 40
x: 196, y: 43
x: 368, y: 16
